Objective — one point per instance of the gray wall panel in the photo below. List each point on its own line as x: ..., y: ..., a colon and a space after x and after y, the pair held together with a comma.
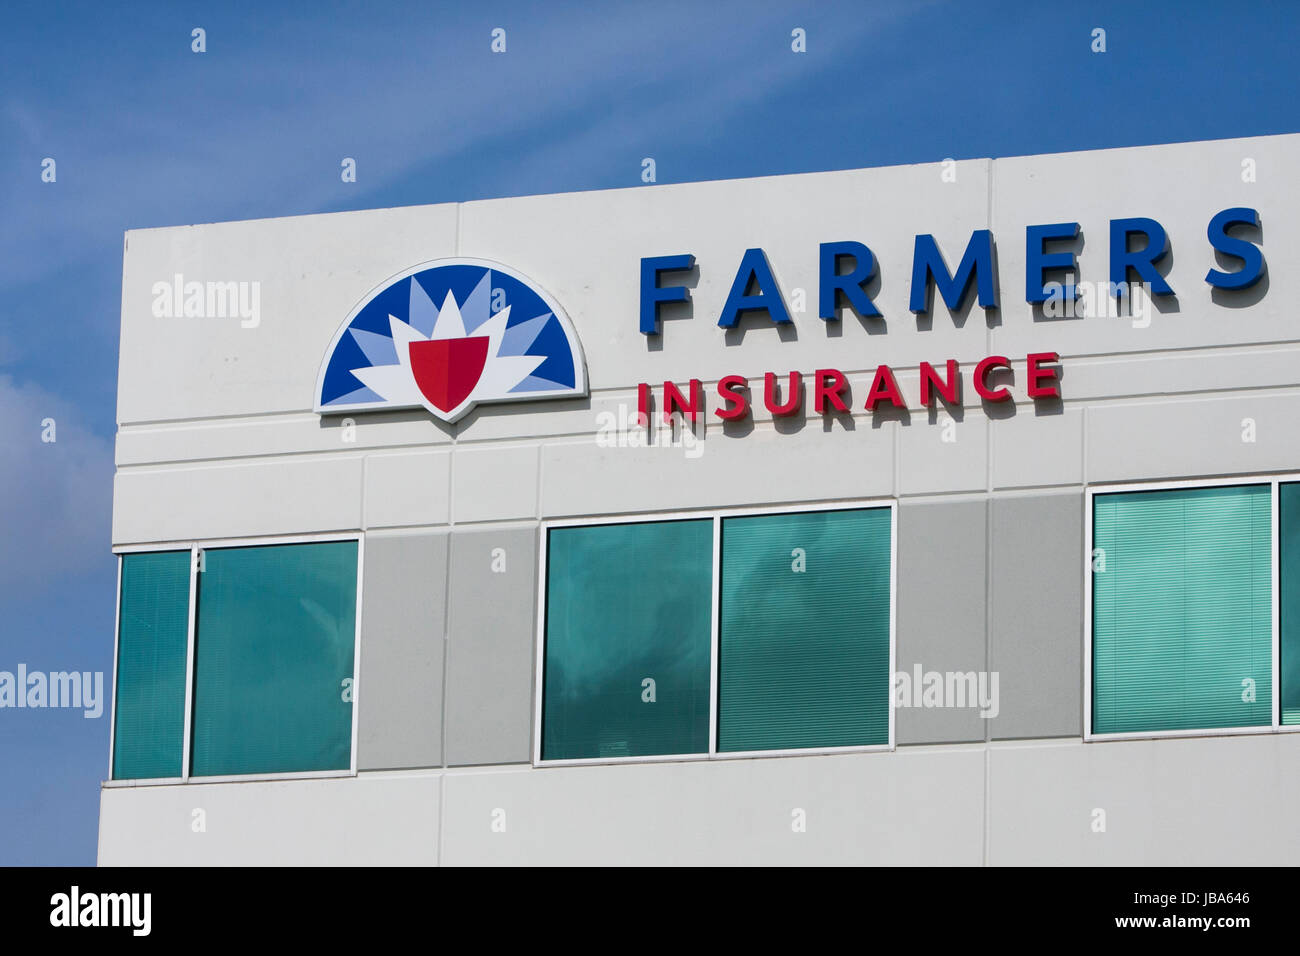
x: 490, y: 646
x: 402, y: 651
x: 1036, y: 639
x: 940, y: 611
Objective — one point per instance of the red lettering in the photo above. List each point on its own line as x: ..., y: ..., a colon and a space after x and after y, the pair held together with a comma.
x: 793, y: 394
x: 674, y: 402
x: 1034, y: 374
x: 981, y: 378
x: 732, y: 391
x: 822, y: 392
x: 949, y: 390
x: 884, y: 387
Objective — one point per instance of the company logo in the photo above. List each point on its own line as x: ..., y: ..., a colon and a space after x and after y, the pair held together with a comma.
x: 448, y: 335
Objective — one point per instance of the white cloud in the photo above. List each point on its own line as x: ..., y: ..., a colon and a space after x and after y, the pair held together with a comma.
x: 577, y: 83
x: 55, y: 498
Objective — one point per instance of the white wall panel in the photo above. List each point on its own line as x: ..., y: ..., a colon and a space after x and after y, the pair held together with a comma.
x: 373, y: 819
x: 264, y: 497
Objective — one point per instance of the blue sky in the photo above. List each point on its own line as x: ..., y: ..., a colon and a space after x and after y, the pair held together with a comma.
x: 147, y: 133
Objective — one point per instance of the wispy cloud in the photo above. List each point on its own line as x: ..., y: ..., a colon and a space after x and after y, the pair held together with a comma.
x: 264, y: 135
x: 55, y: 500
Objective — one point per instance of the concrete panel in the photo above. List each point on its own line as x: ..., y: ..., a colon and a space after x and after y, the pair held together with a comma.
x: 1033, y: 450
x: 370, y: 820
x: 947, y: 456
x: 271, y: 435
x: 1037, y: 634
x: 310, y: 272
x: 494, y: 483
x: 408, y: 489
x: 286, y: 496
x: 940, y: 612
x: 1207, y: 801
x: 915, y: 808
x: 762, y: 466
x: 1187, y: 439
x: 490, y: 646
x: 1200, y: 371
x: 402, y: 650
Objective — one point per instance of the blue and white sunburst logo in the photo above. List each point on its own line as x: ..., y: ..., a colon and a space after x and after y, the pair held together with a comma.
x: 448, y: 335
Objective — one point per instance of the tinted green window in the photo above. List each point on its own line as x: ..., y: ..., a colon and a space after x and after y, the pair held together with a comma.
x: 1182, y: 613
x: 153, y: 631
x: 1289, y: 599
x: 274, y: 644
x: 804, y: 653
x: 628, y: 637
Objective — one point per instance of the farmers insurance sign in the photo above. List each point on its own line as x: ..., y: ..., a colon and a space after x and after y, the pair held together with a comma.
x: 453, y: 333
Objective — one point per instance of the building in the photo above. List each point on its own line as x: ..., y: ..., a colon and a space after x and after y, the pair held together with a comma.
x: 413, y: 570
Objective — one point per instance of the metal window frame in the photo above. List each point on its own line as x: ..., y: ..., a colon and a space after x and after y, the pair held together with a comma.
x: 117, y: 637
x: 716, y: 515
x: 1273, y: 481
x: 195, y: 547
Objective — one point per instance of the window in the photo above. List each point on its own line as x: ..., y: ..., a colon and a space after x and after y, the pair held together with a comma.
x: 716, y: 635
x: 152, y: 634
x: 271, y: 661
x: 629, y: 611
x: 804, y: 655
x: 274, y: 645
x: 1289, y: 601
x: 1182, y: 609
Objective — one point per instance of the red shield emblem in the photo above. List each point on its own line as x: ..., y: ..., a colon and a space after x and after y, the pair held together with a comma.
x: 446, y: 370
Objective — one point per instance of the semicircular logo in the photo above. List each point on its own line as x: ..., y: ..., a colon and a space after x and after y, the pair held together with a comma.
x: 448, y: 335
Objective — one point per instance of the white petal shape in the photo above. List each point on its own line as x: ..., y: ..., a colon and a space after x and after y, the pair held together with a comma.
x: 450, y: 325
x: 503, y: 374
x: 394, y: 383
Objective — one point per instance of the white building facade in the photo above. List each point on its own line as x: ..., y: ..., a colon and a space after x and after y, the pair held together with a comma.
x: 950, y: 551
